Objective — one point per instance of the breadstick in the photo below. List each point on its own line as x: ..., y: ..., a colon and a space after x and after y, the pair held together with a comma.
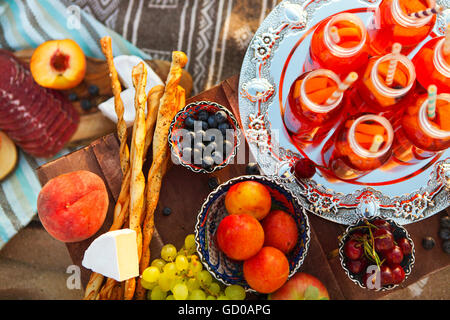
x: 137, y: 183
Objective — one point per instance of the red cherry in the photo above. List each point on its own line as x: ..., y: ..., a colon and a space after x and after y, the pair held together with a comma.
x: 304, y: 169
x: 384, y: 240
x: 398, y: 274
x: 358, y: 235
x: 386, y: 275
x: 365, y: 279
x: 406, y: 247
x: 353, y: 249
x: 357, y: 266
x: 394, y: 256
x: 382, y: 224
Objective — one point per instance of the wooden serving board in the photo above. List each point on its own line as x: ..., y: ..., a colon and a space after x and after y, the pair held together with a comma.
x: 92, y: 123
x: 184, y: 192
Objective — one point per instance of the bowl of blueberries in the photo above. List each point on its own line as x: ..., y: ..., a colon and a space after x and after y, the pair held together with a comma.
x: 204, y: 137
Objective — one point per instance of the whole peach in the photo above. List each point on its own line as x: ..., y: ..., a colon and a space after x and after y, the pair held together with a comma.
x: 248, y: 197
x: 240, y: 236
x: 266, y: 271
x: 280, y: 231
x: 72, y: 207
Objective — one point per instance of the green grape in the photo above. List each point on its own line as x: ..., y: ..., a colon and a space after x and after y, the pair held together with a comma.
x: 189, y: 242
x: 205, y: 278
x: 182, y: 263
x: 197, y: 294
x: 195, y: 266
x: 165, y: 282
x: 170, y: 297
x: 151, y: 274
x: 210, y: 298
x: 180, y: 291
x: 222, y: 297
x: 169, y: 252
x: 193, y: 284
x: 159, y: 263
x: 214, y: 288
x: 182, y: 252
x: 235, y: 292
x: 148, y: 285
x: 157, y: 294
x: 170, y: 270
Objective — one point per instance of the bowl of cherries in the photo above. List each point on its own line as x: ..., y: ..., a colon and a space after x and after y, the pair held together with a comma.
x: 377, y: 253
x: 204, y: 137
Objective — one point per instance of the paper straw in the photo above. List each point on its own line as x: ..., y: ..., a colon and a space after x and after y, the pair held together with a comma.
x: 428, y: 12
x: 432, y: 94
x: 344, y: 85
x: 446, y: 48
x: 396, y: 48
x: 334, y: 33
x: 376, y: 144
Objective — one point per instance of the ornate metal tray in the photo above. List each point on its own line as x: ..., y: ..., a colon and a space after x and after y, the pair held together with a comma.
x: 273, y: 61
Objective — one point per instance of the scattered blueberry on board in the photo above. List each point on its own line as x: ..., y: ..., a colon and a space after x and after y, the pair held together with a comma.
x: 167, y: 211
x: 252, y: 169
x: 428, y: 243
x: 93, y: 90
x: 213, y: 183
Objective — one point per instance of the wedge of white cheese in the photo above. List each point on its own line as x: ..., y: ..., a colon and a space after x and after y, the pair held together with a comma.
x: 114, y: 255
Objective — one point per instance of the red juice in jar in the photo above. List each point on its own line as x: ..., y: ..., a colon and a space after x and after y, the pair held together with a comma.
x: 418, y: 137
x: 374, y: 93
x: 434, y: 65
x: 314, y: 105
x: 393, y: 23
x: 341, y: 51
x: 361, y: 145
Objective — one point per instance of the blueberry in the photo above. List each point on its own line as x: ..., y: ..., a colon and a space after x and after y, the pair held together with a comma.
x: 167, y: 211
x: 212, y: 146
x: 223, y: 127
x: 227, y: 147
x: 212, y: 122
x: 199, y: 146
x: 218, y: 157
x: 200, y: 135
x: 252, y: 169
x: 93, y: 90
x: 188, y: 140
x: 445, y: 221
x: 446, y: 246
x: 198, y: 154
x: 187, y: 154
x: 428, y: 243
x: 205, y: 125
x: 86, y: 105
x: 221, y: 116
x: 444, y: 233
x: 203, y: 115
x: 189, y: 123
x: 207, y: 163
x: 213, y: 183
x: 72, y: 96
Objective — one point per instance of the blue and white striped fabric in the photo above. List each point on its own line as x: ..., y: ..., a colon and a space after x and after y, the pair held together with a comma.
x: 26, y: 24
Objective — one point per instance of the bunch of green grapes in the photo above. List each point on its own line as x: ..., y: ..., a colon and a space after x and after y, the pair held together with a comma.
x: 179, y: 275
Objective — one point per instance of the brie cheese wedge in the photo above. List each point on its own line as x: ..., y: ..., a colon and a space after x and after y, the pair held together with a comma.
x: 114, y: 255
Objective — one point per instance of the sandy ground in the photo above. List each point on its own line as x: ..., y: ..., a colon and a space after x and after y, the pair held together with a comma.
x: 33, y: 267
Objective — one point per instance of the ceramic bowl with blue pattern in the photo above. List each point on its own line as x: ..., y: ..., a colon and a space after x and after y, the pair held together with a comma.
x: 212, y: 212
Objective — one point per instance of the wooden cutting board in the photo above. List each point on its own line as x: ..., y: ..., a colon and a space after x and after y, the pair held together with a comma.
x: 92, y: 123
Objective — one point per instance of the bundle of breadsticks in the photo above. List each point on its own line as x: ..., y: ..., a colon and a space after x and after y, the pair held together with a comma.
x: 138, y: 197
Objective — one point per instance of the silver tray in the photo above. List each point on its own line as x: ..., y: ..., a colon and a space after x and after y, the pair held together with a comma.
x: 413, y: 193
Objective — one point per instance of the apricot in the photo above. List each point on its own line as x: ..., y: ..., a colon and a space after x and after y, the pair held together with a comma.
x: 248, y: 197
x: 280, y: 231
x: 240, y: 236
x: 72, y: 207
x: 58, y: 64
x: 267, y: 271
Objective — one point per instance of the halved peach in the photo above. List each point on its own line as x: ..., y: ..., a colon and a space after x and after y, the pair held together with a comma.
x: 58, y: 64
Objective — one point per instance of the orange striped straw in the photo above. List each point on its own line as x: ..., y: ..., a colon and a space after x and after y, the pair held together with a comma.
x: 432, y: 95
x: 376, y: 144
x: 446, y: 48
x: 343, y: 86
x: 428, y: 12
x: 396, y: 49
x: 334, y: 33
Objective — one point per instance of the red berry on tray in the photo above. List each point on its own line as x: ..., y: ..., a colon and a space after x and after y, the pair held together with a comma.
x: 382, y: 224
x: 304, y: 169
x: 384, y: 240
x: 406, y: 247
x: 357, y: 266
x: 353, y: 249
x: 398, y: 274
x: 386, y: 275
x: 394, y: 256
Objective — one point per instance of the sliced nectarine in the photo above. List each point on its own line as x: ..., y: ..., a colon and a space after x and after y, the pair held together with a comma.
x: 349, y: 34
x: 412, y: 6
x: 321, y: 96
x: 400, y: 77
x: 315, y: 84
x: 8, y: 155
x: 58, y: 64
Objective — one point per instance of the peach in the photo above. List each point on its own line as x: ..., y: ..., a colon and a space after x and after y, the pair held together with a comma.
x: 248, y: 197
x: 280, y: 231
x: 240, y: 236
x: 72, y: 207
x: 58, y: 64
x: 266, y: 271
